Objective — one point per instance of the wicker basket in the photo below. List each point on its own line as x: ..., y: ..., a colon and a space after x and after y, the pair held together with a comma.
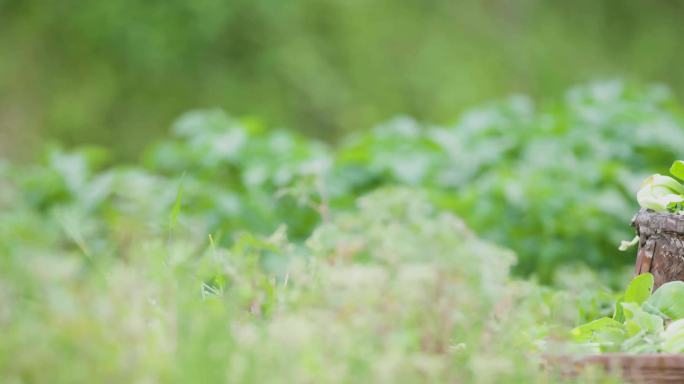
x: 655, y: 368
x: 661, y: 245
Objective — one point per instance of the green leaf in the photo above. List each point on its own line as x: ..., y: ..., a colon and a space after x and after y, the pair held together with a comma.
x: 639, y: 289
x: 637, y: 320
x: 673, y: 337
x: 605, y: 333
x: 669, y: 300
x: 677, y: 169
x: 592, y: 330
x: 642, y: 342
x: 673, y: 344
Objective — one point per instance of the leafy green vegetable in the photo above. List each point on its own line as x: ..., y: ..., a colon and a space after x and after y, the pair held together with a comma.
x: 639, y: 290
x: 605, y: 332
x: 638, y: 324
x: 660, y: 193
x: 669, y: 300
x: 673, y: 337
x: 663, y: 193
x: 637, y: 320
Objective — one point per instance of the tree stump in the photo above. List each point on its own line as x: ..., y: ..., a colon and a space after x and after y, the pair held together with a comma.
x: 661, y: 245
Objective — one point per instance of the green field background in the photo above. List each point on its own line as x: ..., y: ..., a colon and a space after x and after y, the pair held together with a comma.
x: 118, y: 73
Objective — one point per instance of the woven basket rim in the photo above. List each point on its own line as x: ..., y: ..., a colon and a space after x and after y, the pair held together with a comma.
x: 625, y: 363
x: 635, y: 368
x: 618, y: 356
x: 634, y: 356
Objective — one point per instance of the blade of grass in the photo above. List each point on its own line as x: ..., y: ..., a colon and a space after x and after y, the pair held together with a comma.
x: 177, y: 205
x: 677, y: 169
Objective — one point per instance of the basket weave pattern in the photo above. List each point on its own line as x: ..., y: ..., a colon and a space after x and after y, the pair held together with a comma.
x: 656, y: 368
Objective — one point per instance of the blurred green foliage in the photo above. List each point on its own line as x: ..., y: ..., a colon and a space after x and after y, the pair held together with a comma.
x: 233, y: 250
x: 555, y: 183
x: 117, y: 73
x: 236, y: 252
x: 390, y: 290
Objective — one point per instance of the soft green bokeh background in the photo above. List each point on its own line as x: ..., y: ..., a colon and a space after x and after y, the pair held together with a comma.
x: 550, y: 174
x: 118, y: 73
x: 322, y: 191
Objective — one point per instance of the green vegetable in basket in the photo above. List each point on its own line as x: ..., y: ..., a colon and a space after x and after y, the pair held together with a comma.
x: 673, y: 337
x: 639, y: 322
x: 608, y: 334
x: 602, y: 335
x: 638, y: 291
x: 668, y: 300
x: 660, y: 192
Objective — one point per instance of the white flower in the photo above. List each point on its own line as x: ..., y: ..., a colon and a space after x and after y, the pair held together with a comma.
x: 658, y: 191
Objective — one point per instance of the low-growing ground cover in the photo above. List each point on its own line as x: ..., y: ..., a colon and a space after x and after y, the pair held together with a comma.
x: 555, y: 182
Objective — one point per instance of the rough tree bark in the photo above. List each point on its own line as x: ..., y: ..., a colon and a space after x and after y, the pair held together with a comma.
x: 661, y: 245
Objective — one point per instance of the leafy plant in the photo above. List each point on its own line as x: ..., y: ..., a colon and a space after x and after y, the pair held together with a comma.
x: 554, y: 183
x: 642, y: 323
x: 677, y: 169
x: 661, y: 194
